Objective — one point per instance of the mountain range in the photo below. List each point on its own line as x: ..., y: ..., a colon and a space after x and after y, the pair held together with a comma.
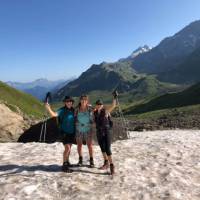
x: 39, y: 87
x: 172, y: 55
x: 161, y: 82
x: 175, y: 60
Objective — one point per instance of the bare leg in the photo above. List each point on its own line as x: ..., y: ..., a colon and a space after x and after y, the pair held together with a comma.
x: 112, y: 167
x: 110, y: 159
x: 79, y: 147
x: 66, y: 152
x: 90, y: 147
x: 105, y: 157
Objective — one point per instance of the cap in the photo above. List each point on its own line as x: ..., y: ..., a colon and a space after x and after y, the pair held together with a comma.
x: 99, y: 102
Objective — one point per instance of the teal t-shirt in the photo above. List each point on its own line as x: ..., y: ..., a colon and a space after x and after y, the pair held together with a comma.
x: 66, y: 120
x: 84, y: 122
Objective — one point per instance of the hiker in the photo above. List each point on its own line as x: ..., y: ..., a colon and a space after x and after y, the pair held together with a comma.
x: 67, y: 127
x: 103, y: 127
x: 84, y: 133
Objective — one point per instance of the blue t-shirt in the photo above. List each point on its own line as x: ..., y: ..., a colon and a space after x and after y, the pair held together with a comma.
x: 66, y: 120
x: 83, y: 122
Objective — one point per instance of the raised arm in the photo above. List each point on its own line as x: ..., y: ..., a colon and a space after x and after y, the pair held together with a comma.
x: 50, y: 111
x: 112, y: 107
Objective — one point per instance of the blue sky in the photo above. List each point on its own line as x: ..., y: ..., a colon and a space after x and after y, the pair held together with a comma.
x: 56, y: 39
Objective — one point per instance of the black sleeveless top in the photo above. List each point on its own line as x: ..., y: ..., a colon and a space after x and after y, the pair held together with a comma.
x: 103, y: 122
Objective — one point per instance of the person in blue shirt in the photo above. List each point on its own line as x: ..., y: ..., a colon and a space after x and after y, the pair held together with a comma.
x: 84, y: 131
x: 66, y: 120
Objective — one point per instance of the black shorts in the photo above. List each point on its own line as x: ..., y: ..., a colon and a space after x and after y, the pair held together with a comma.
x: 68, y: 138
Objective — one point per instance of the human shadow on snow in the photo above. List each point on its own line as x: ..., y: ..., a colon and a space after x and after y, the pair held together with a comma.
x: 47, y: 168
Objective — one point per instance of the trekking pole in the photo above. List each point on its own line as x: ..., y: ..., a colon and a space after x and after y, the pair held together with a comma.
x: 125, y: 123
x: 43, y: 129
x: 40, y: 140
x: 44, y: 124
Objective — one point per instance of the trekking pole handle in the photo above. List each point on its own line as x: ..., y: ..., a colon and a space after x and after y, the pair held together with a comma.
x: 115, y: 94
x: 48, y: 97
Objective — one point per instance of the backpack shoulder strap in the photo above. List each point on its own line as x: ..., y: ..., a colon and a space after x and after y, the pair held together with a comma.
x: 63, y: 115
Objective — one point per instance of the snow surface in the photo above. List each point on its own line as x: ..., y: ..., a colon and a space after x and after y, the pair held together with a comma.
x: 150, y: 166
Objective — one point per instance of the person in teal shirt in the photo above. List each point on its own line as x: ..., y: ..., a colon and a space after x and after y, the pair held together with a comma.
x: 84, y: 132
x: 66, y: 120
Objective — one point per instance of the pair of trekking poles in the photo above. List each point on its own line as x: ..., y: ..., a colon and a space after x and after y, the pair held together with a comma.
x: 124, y: 122
x: 43, y: 131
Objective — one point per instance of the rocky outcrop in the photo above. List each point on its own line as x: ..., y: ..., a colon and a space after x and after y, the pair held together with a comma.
x: 12, y: 124
x: 173, y: 120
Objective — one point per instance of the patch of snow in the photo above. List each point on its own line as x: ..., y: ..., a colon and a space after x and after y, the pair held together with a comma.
x: 153, y: 165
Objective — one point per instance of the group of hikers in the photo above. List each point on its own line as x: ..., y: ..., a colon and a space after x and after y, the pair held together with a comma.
x: 76, y: 124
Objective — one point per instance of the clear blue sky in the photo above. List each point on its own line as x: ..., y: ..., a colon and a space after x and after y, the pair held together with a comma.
x: 61, y: 38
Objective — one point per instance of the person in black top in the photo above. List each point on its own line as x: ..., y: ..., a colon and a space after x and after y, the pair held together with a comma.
x: 103, y: 126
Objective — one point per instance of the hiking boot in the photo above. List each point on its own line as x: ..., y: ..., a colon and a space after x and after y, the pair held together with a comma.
x: 65, y: 168
x: 80, y: 162
x: 105, y: 165
x: 91, y: 162
x: 112, y: 169
x: 67, y: 163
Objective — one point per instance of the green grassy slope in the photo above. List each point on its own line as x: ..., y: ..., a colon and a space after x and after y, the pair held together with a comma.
x: 26, y: 103
x: 190, y: 96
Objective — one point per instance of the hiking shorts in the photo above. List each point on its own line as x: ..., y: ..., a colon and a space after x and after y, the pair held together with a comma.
x: 68, y: 138
x: 84, y: 137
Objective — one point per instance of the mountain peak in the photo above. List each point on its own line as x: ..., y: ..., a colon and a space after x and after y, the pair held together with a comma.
x: 41, y: 80
x: 138, y: 51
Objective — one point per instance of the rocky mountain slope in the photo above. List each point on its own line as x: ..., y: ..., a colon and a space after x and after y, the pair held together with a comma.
x: 171, y: 52
x: 186, y: 73
x: 107, y: 77
x: 174, y: 60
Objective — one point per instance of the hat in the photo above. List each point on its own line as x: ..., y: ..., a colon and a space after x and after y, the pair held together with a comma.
x: 99, y: 102
x: 68, y: 98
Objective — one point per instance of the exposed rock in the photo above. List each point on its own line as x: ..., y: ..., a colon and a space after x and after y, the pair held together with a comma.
x: 11, y: 124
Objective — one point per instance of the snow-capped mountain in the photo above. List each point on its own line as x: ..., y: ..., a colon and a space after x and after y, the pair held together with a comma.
x: 138, y: 51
